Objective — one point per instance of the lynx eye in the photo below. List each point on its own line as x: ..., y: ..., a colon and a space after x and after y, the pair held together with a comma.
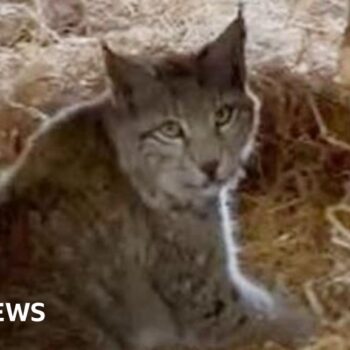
x: 224, y: 115
x: 171, y: 130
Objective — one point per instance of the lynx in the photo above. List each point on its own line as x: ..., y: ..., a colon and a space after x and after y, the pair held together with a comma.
x: 118, y: 217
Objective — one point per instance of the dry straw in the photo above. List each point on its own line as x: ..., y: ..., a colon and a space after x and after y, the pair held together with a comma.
x: 296, y: 199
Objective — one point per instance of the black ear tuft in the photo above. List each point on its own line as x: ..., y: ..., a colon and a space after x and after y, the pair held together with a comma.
x: 222, y: 62
x: 108, y: 55
x: 116, y: 68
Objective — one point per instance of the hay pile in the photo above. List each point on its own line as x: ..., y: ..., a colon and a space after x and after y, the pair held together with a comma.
x: 296, y: 199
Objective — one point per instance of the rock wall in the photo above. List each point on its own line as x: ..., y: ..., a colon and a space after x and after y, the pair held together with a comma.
x: 50, y: 56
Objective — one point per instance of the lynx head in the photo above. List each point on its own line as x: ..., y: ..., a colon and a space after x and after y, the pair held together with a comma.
x: 184, y: 125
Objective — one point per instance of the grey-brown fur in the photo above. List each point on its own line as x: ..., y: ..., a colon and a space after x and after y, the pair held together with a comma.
x: 117, y: 229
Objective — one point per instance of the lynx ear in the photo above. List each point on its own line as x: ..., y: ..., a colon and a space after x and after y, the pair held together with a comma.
x: 222, y: 62
x: 126, y: 76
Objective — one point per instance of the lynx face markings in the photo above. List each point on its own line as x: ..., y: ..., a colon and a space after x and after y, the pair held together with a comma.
x: 183, y: 125
x: 193, y: 153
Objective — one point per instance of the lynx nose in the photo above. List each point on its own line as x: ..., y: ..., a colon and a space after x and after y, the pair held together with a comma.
x: 210, y: 169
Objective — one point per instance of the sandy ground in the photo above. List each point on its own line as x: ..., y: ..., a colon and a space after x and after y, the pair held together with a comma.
x: 296, y: 199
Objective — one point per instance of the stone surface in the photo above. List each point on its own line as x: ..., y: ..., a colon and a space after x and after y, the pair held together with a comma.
x: 66, y: 17
x: 50, y: 55
x: 17, y: 24
x: 50, y: 66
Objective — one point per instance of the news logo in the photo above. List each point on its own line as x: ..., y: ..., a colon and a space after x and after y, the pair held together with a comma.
x: 23, y: 312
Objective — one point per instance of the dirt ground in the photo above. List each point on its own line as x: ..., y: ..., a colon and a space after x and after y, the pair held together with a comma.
x: 295, y: 203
